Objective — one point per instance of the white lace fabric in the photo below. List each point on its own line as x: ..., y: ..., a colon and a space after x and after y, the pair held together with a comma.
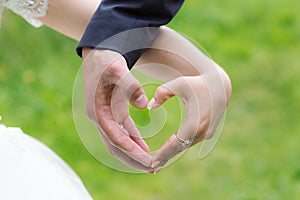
x: 30, y: 10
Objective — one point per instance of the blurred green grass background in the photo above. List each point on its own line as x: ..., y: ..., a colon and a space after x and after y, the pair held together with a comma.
x: 257, y: 155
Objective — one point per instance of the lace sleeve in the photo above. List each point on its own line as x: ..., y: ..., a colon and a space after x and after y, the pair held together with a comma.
x: 30, y: 10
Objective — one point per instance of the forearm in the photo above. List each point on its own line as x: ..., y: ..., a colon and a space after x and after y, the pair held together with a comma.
x: 166, y: 66
x: 69, y: 17
x: 172, y: 56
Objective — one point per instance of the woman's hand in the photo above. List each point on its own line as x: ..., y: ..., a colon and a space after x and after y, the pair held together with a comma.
x: 205, y: 98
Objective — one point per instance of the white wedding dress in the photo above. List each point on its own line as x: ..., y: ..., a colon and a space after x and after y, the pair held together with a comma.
x: 29, y: 170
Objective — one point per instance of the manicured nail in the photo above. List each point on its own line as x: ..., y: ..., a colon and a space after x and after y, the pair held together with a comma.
x: 151, y: 103
x: 140, y: 98
x: 155, y: 164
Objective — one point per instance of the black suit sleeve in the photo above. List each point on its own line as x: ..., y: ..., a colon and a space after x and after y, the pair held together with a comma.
x: 116, y: 16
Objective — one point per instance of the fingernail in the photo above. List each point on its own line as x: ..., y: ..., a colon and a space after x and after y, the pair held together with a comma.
x: 150, y: 104
x: 155, y: 164
x: 140, y: 98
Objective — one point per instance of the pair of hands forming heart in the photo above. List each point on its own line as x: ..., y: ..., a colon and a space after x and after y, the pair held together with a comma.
x: 108, y: 84
x: 188, y: 73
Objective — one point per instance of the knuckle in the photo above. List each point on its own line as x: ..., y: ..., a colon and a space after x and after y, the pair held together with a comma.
x: 132, y: 86
x: 112, y: 69
x: 132, y: 90
x: 115, y: 70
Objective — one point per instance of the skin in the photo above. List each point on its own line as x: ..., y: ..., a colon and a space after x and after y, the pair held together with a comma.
x: 204, y: 87
x: 70, y: 21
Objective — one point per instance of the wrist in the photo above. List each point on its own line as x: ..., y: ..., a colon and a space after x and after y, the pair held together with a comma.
x: 85, y: 52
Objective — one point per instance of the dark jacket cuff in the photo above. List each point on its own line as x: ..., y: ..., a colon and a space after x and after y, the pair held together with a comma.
x: 127, y: 27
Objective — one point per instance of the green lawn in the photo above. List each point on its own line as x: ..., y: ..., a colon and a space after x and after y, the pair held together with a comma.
x: 257, y: 155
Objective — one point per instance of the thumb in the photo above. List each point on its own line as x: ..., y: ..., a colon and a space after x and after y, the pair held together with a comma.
x: 133, y: 90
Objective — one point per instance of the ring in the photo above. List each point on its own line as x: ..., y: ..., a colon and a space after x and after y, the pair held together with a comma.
x: 182, y: 142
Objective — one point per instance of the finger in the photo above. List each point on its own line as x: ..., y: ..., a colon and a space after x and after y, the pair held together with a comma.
x: 121, y: 115
x: 169, y: 150
x: 123, y: 157
x: 185, y: 138
x: 161, y: 95
x: 190, y: 132
x: 135, y: 134
x: 133, y: 90
x: 119, y: 138
x: 166, y: 91
x: 174, y: 146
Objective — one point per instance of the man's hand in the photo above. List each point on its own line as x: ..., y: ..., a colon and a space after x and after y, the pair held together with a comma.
x: 108, y: 84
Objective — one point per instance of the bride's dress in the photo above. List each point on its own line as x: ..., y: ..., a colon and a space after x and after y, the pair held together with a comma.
x: 31, y: 171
